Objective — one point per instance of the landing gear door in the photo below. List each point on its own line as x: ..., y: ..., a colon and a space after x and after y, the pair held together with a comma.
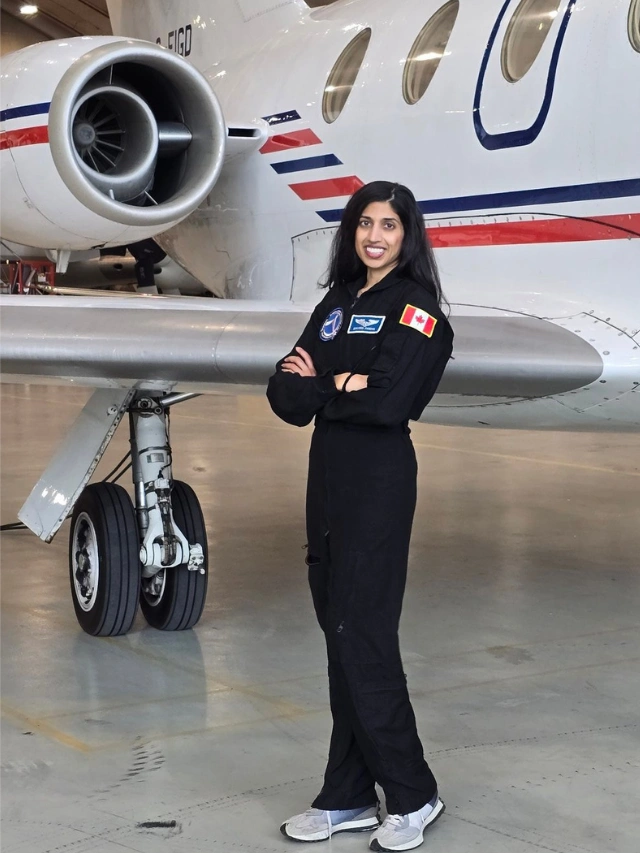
x: 54, y: 495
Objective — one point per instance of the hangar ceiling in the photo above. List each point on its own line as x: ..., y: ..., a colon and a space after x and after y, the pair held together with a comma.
x: 63, y: 18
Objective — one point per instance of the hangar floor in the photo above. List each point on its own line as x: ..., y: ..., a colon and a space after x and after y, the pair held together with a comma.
x: 520, y: 637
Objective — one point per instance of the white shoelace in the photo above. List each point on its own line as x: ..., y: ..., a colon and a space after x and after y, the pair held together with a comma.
x: 394, y: 820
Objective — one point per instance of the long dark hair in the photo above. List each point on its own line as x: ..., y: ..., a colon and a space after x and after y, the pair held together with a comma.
x: 416, y: 260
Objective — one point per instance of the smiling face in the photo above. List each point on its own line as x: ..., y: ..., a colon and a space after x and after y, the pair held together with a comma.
x: 379, y: 238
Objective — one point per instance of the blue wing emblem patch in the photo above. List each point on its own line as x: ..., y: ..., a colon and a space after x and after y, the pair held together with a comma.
x: 365, y: 324
x: 332, y: 325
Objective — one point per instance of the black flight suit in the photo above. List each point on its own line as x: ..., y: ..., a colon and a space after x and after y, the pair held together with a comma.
x: 361, y: 496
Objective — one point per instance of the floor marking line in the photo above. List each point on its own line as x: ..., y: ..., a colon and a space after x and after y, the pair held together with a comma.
x: 523, y: 675
x: 41, y: 725
x: 493, y: 454
x: 221, y: 686
x: 559, y: 641
x: 538, y: 739
x: 42, y: 399
x: 303, y: 431
x: 537, y: 844
x: 534, y: 459
x: 154, y: 737
x: 449, y: 449
x: 297, y: 712
x: 315, y: 676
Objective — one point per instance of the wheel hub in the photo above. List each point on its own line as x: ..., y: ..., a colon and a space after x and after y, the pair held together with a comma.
x: 153, y: 587
x: 85, y: 554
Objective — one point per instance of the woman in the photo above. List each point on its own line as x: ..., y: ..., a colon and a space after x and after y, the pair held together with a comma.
x: 369, y: 360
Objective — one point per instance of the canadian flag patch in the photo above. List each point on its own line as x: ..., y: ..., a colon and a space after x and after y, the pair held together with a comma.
x: 418, y: 319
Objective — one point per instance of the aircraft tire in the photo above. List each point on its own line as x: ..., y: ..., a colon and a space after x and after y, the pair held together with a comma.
x: 104, y: 560
x: 179, y: 602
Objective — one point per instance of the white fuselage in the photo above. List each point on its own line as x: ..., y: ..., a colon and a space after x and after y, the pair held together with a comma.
x: 246, y: 242
x: 531, y: 190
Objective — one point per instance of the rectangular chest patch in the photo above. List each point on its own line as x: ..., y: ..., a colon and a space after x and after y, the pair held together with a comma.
x: 365, y: 324
x: 418, y: 319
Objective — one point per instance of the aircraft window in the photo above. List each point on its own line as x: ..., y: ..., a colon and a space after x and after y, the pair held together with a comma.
x: 526, y: 35
x: 634, y: 24
x: 343, y: 76
x: 427, y: 51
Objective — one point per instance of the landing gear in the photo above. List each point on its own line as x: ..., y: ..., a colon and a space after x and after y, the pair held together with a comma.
x: 104, y: 560
x: 155, y: 553
x: 173, y: 599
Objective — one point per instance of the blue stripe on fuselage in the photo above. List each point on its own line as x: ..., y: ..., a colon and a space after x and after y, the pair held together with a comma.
x: 306, y: 163
x: 518, y: 198
x: 28, y: 110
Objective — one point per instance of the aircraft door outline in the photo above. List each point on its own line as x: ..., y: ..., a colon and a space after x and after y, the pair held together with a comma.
x: 525, y: 136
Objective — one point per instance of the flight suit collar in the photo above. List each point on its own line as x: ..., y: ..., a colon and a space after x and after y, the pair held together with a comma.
x: 390, y: 279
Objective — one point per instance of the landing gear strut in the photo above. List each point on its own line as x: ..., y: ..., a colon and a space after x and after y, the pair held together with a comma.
x: 155, y: 552
x: 172, y: 599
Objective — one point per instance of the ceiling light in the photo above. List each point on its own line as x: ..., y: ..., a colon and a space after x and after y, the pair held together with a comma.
x: 28, y: 9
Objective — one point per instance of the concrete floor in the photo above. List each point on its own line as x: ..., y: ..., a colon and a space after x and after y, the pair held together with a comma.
x: 520, y: 638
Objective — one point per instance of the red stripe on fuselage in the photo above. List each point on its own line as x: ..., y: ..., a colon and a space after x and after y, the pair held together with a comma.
x: 536, y: 231
x: 286, y: 141
x: 24, y: 136
x: 311, y: 190
x: 557, y: 230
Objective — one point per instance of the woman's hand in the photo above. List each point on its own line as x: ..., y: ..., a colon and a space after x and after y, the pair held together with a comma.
x: 357, y: 382
x: 301, y: 364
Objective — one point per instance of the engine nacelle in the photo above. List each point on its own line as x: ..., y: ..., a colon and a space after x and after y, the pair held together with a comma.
x: 103, y: 141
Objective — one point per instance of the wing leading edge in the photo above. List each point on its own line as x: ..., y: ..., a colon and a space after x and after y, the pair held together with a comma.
x: 154, y: 340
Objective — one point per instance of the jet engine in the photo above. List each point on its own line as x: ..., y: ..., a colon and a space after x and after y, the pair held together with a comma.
x: 103, y: 141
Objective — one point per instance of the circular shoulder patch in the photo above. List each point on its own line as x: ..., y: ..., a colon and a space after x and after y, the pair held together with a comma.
x: 332, y: 325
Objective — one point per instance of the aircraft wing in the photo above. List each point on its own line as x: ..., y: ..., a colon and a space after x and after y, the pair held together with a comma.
x: 209, y: 344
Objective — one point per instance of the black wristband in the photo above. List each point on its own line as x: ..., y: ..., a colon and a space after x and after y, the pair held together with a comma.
x: 346, y: 381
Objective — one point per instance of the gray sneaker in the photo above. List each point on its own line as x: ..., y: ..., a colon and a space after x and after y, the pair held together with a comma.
x: 317, y: 824
x: 405, y: 832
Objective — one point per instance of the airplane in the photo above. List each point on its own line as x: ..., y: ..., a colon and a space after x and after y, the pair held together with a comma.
x: 233, y: 134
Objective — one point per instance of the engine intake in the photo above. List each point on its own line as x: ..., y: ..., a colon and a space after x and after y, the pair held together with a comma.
x: 136, y: 140
x: 136, y: 133
x: 116, y: 137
